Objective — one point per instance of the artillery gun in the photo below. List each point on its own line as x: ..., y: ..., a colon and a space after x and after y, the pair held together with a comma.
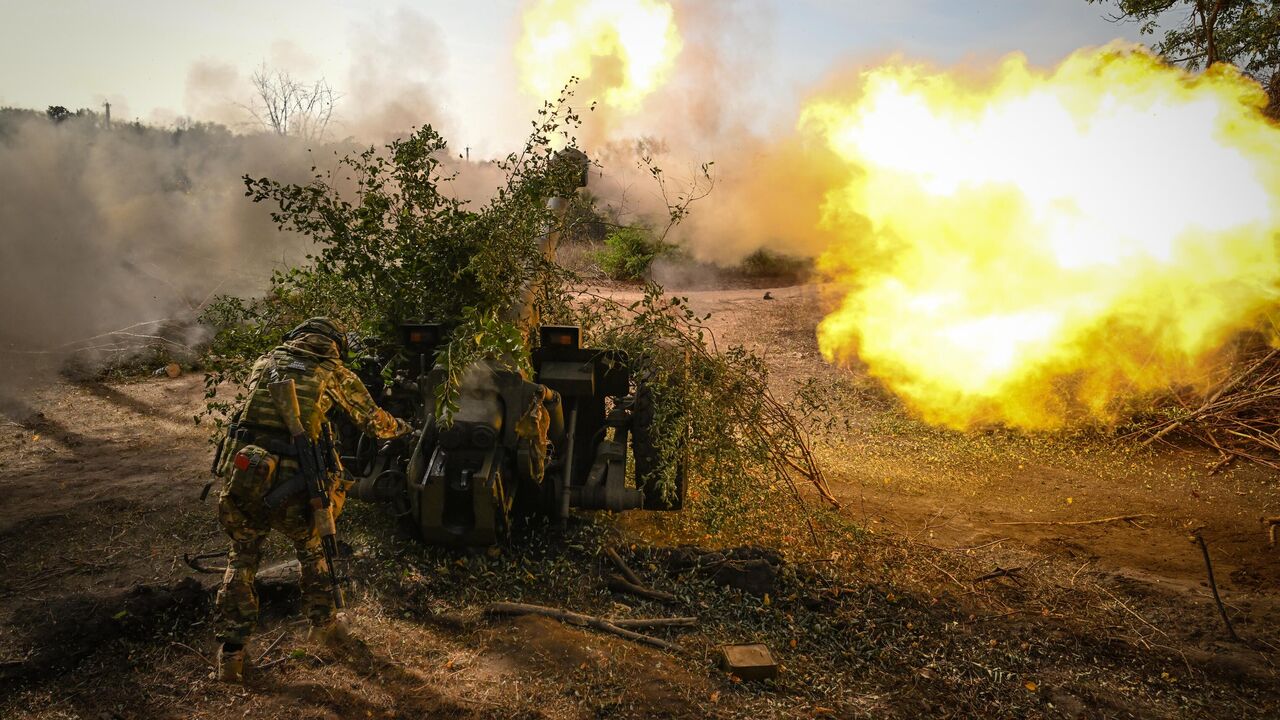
x: 464, y: 484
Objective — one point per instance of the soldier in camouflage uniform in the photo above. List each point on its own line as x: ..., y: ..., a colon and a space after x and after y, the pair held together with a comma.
x: 256, y: 457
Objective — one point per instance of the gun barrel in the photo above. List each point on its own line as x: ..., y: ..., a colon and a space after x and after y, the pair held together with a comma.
x: 329, y: 545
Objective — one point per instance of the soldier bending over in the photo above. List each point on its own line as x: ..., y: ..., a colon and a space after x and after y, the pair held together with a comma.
x: 258, y: 457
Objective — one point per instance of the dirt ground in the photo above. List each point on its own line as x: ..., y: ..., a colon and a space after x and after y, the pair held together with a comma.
x: 103, y: 618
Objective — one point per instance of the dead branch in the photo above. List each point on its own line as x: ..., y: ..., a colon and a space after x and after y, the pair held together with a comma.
x: 1130, y: 610
x: 195, y: 562
x: 1213, y: 585
x: 572, y: 618
x: 270, y: 647
x: 622, y: 566
x: 617, y: 583
x: 1013, y: 573
x: 655, y: 622
x: 131, y: 341
x: 1226, y: 459
x: 1099, y: 521
x: 1237, y: 419
x: 195, y: 652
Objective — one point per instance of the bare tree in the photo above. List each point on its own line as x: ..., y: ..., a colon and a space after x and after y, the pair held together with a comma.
x: 286, y: 106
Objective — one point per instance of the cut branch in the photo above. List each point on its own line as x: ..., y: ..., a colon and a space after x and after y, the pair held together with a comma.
x: 1213, y: 585
x: 1099, y: 521
x: 573, y: 618
x: 622, y: 566
x: 617, y: 583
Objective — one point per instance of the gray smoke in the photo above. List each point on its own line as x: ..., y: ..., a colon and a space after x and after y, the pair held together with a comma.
x: 103, y: 229
x: 113, y: 229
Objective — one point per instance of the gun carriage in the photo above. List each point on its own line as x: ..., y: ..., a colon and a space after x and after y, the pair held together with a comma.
x: 465, y: 483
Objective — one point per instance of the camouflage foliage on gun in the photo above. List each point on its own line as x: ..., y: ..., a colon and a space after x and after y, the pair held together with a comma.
x: 312, y: 477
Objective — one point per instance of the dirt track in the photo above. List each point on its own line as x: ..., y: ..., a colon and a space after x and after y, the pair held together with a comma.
x: 101, y: 483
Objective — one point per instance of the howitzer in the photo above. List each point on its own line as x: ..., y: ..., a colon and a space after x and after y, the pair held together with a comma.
x: 312, y: 477
x: 518, y: 446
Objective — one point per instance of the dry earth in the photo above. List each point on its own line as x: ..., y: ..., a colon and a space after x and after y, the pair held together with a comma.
x: 103, y: 619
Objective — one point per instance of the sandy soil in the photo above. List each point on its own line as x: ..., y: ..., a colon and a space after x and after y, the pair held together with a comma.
x: 101, y: 486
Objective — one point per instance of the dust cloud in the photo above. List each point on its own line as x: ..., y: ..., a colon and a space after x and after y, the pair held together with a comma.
x: 119, y: 229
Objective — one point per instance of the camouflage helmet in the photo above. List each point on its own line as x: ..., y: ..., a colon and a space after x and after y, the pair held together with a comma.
x: 327, y: 327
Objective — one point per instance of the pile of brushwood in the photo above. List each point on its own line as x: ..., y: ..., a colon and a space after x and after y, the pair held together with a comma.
x: 1239, y: 414
x: 392, y: 244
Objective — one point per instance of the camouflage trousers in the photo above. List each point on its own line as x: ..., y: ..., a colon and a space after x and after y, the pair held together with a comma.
x: 237, y: 602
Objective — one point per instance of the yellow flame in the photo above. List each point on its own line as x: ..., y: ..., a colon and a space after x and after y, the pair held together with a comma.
x: 1036, y: 247
x: 623, y: 49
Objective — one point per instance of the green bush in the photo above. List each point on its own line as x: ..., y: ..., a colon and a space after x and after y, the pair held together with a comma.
x: 400, y: 246
x: 767, y: 263
x: 629, y: 252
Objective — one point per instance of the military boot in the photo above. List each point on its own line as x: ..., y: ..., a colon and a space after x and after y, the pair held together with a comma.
x: 335, y: 638
x: 331, y: 632
x: 230, y: 663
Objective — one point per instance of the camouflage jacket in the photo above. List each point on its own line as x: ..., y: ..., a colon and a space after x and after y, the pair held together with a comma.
x: 322, y: 383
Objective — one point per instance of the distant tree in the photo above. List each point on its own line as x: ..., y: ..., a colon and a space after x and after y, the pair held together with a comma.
x: 57, y: 113
x: 286, y: 106
x: 187, y: 125
x: 1245, y: 33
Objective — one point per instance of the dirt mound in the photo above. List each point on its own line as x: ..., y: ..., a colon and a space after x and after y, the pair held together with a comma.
x: 749, y: 568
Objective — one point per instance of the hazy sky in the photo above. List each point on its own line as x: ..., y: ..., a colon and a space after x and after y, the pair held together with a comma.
x: 141, y: 53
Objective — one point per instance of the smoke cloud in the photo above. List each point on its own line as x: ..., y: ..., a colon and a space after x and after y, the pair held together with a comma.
x: 105, y: 229
x: 391, y: 87
x: 769, y: 181
x: 108, y: 229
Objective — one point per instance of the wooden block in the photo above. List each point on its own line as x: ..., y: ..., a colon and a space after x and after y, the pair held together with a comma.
x: 749, y: 662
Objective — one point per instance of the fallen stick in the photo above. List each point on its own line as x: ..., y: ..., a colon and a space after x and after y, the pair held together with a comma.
x: 1226, y: 460
x: 1130, y: 610
x: 1213, y: 585
x: 1099, y: 521
x: 655, y: 622
x: 195, y: 562
x: 622, y: 566
x: 573, y: 618
x: 1013, y: 573
x: 270, y: 647
x: 617, y: 583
